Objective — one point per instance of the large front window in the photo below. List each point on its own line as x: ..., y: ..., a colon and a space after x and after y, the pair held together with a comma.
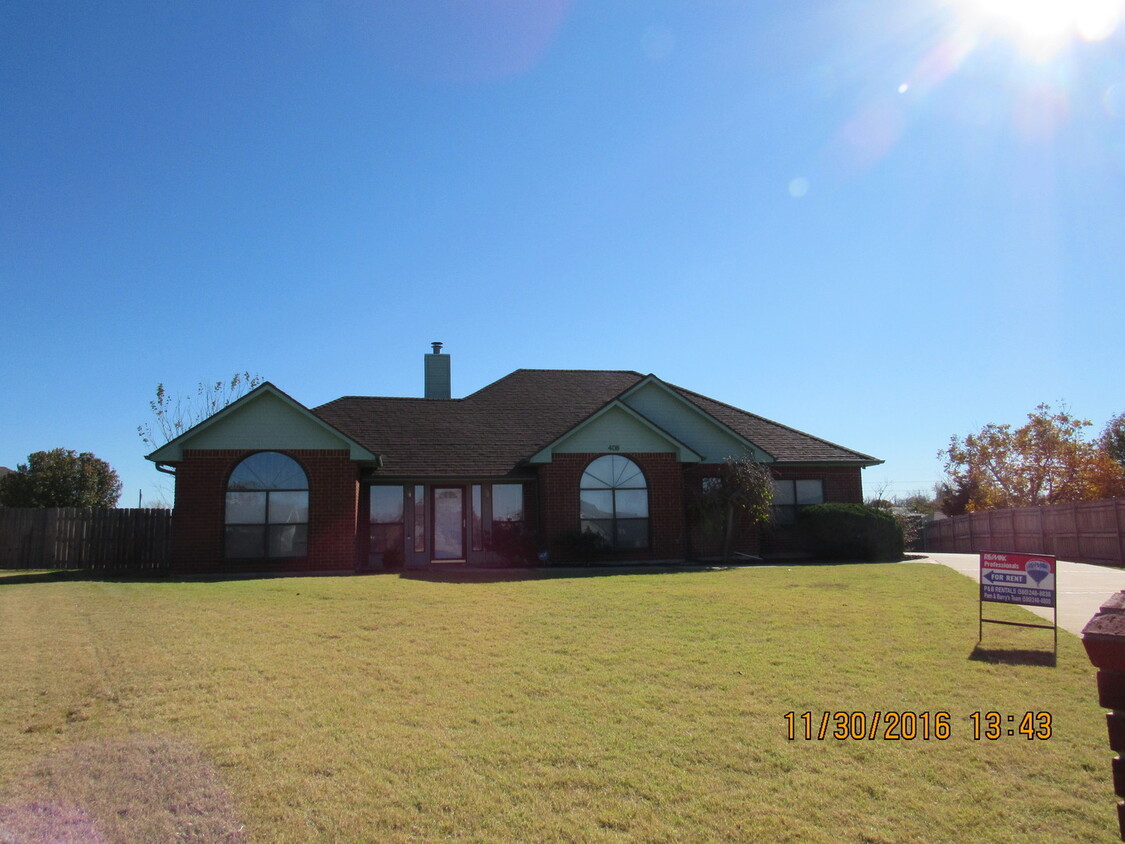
x: 267, y: 507
x: 790, y: 496
x: 614, y: 501
x: 388, y: 525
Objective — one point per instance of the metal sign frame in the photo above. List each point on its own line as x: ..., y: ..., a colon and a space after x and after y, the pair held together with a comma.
x: 1008, y: 575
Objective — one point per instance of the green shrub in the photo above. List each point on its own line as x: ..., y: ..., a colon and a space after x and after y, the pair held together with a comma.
x: 850, y: 532
x: 583, y: 546
x: 514, y: 542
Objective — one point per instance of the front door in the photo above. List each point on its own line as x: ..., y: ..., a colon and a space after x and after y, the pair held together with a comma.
x: 449, y: 524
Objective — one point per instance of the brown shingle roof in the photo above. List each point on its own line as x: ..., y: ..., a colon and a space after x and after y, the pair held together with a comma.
x: 787, y: 445
x: 496, y: 429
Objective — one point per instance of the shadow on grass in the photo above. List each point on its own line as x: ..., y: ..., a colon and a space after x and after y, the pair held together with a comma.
x: 437, y: 575
x: 61, y: 576
x: 453, y: 573
x: 508, y: 575
x: 1015, y: 656
x: 7, y: 578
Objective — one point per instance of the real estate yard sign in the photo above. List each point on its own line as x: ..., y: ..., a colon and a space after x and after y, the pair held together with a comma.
x: 1026, y: 579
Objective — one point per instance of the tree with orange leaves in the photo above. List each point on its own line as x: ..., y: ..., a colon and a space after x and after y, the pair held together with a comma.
x: 1046, y: 461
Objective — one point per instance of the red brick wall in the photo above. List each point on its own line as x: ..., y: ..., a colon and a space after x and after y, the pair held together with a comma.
x: 198, y: 518
x: 558, y: 492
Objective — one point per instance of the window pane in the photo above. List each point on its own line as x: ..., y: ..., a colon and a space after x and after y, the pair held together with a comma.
x: 419, y: 518
x: 478, y: 518
x: 785, y: 514
x: 602, y: 527
x: 711, y: 484
x: 596, y: 504
x: 632, y: 533
x: 810, y: 492
x: 288, y: 540
x: 245, y: 541
x: 268, y: 470
x: 632, y: 503
x: 386, y: 505
x: 288, y: 507
x: 246, y: 508
x: 386, y: 539
x: 599, y: 474
x: 507, y: 502
x: 627, y: 474
x: 783, y: 493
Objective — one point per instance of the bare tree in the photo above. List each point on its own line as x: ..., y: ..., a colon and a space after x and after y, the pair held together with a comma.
x: 742, y: 492
x: 172, y: 414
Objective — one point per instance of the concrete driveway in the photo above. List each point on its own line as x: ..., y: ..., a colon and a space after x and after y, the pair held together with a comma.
x: 1082, y: 588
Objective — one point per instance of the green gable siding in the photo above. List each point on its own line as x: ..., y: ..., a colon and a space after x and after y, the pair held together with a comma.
x: 688, y: 424
x: 614, y: 430
x: 266, y: 423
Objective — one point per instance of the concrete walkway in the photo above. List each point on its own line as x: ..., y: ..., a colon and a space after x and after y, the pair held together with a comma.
x: 1082, y: 588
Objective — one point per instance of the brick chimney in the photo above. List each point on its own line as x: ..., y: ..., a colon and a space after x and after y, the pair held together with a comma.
x: 437, y: 374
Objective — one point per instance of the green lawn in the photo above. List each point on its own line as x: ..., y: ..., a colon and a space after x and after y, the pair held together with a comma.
x: 642, y: 707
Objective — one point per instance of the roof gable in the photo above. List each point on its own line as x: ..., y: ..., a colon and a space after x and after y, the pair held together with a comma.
x: 689, y: 423
x: 265, y: 417
x: 616, y: 427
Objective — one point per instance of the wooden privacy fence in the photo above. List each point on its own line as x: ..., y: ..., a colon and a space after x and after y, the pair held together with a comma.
x: 96, y: 540
x: 1083, y: 531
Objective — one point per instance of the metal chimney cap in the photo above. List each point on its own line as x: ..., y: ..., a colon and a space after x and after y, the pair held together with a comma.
x: 437, y: 347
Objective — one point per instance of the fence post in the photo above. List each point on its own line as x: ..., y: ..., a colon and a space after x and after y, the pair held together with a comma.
x: 1117, y: 511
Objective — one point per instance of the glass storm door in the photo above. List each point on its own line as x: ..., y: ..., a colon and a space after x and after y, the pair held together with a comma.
x: 449, y: 523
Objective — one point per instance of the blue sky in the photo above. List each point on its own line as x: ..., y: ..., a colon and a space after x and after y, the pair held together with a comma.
x: 884, y: 222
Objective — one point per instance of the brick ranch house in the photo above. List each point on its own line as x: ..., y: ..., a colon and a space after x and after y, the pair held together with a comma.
x: 518, y: 469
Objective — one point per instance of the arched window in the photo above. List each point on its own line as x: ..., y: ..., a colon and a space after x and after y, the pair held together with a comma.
x: 614, y: 501
x: 267, y: 507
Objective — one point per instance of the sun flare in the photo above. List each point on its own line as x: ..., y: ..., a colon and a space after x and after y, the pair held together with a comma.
x: 1042, y: 27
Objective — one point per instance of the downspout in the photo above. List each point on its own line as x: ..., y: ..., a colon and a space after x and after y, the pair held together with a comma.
x: 166, y: 468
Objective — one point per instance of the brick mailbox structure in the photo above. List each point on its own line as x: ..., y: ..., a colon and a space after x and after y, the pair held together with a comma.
x: 1104, y: 640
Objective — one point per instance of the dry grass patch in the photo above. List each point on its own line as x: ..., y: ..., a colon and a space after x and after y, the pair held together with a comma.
x: 120, y: 791
x: 609, y: 709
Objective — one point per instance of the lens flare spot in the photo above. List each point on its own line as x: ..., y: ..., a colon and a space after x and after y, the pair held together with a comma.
x: 871, y: 134
x: 1113, y: 100
x: 799, y: 187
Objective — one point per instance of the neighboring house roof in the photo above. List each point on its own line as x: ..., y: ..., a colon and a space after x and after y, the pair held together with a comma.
x: 497, y: 429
